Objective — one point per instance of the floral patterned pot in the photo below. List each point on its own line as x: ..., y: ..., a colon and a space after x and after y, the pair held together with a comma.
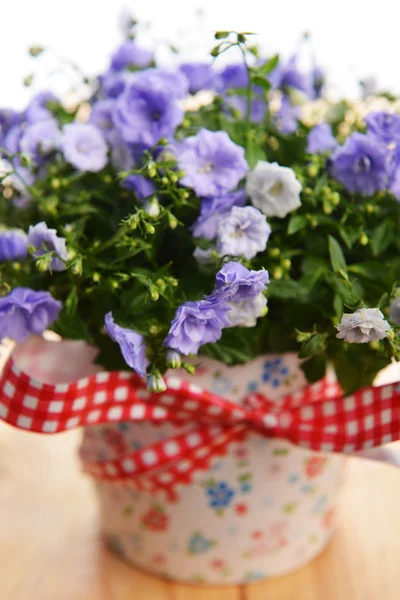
x: 262, y: 510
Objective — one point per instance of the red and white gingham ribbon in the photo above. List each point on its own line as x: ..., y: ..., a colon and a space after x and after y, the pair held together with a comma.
x: 318, y: 418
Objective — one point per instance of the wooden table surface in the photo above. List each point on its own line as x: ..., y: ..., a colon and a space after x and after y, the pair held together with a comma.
x: 50, y: 549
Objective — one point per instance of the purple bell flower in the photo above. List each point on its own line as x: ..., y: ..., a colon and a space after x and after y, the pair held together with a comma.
x: 25, y: 312
x: 362, y: 164
x: 131, y: 343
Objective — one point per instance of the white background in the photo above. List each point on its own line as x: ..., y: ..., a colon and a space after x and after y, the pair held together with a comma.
x: 353, y: 39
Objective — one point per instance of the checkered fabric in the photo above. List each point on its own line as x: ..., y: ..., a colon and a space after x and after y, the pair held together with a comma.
x: 318, y: 418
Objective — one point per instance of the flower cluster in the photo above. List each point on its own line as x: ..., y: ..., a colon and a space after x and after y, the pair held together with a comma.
x: 194, y: 210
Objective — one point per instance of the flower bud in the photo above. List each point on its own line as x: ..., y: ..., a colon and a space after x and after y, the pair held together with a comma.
x: 312, y: 171
x: 150, y: 229
x: 152, y: 207
x: 191, y: 369
x: 364, y: 239
x: 152, y: 170
x: 277, y: 273
x: 156, y: 383
x: 154, y: 293
x: 172, y: 221
x: 173, y: 359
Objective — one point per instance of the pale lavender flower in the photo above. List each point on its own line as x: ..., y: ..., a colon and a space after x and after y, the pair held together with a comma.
x: 211, y: 211
x: 394, y: 311
x: 84, y: 147
x: 130, y: 54
x: 13, y: 244
x: 25, y: 312
x: 174, y: 83
x: 101, y: 117
x: 38, y: 107
x: 195, y: 324
x: 203, y: 257
x: 113, y: 84
x: 236, y: 283
x: 146, y: 112
x: 243, y: 232
x: 131, y: 343
x: 246, y: 312
x: 287, y: 76
x: 212, y: 163
x: 385, y: 126
x: 364, y: 325
x: 273, y: 189
x: 8, y: 118
x: 142, y: 186
x: 46, y: 240
x: 201, y: 76
x: 40, y: 139
x: 362, y: 164
x: 286, y: 119
x: 321, y: 139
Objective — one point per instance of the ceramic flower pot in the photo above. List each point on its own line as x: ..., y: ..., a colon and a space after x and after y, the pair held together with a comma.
x: 262, y: 510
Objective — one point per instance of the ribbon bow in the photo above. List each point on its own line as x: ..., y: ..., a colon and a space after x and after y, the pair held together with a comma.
x: 318, y: 418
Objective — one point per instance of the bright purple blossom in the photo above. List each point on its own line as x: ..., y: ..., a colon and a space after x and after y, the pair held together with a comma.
x: 24, y: 312
x: 13, y: 244
x: 317, y: 81
x: 201, y: 76
x: 142, y: 186
x: 197, y: 323
x: 174, y: 83
x: 12, y: 139
x: 286, y: 118
x: 130, y: 54
x: 239, y: 104
x: 38, y: 107
x: 287, y: 75
x: 362, y: 164
x: 321, y: 139
x: 212, y: 163
x: 40, y: 139
x: 212, y: 209
x: 146, y: 112
x: 243, y: 232
x: 101, y: 117
x: 8, y: 118
x: 385, y: 126
x: 84, y: 147
x: 113, y: 84
x: 235, y: 282
x: 131, y: 343
x: 46, y: 240
x: 232, y: 77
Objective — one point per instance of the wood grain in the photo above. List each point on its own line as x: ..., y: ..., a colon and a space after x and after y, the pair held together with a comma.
x: 50, y: 547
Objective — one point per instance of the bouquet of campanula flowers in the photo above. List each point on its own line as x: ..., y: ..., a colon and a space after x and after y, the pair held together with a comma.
x: 195, y: 210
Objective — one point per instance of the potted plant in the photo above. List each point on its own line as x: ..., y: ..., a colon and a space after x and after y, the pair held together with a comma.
x: 225, y: 235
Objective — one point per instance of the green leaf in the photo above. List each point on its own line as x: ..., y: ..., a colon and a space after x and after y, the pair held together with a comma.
x: 315, y: 345
x: 220, y: 35
x: 356, y: 368
x: 296, y: 223
x: 261, y: 82
x: 287, y: 289
x: 71, y: 302
x: 270, y: 65
x: 336, y: 255
x: 349, y: 235
x: 314, y: 368
x: 381, y: 238
x: 254, y: 153
x: 338, y: 305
